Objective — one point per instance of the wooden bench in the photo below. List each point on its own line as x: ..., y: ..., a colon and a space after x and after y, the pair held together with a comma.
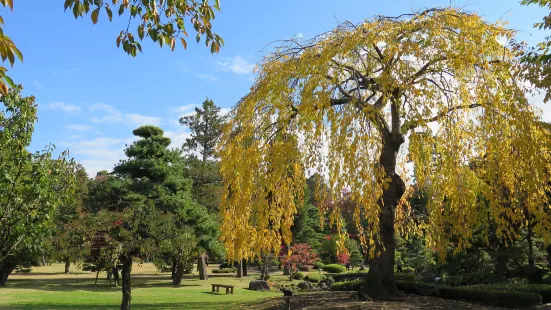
x: 229, y: 288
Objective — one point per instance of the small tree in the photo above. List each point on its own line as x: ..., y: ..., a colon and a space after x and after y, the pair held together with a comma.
x: 355, y: 258
x: 343, y: 258
x: 300, y: 255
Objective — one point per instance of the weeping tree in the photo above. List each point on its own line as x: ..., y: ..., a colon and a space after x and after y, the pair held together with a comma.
x: 356, y: 104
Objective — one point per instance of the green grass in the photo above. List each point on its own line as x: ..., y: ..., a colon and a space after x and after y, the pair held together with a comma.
x: 47, y: 288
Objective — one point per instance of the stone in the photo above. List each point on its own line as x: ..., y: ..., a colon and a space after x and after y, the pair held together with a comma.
x: 259, y: 285
x: 305, y: 286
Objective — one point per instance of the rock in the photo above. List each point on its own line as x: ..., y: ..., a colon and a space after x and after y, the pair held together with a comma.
x: 259, y: 285
x: 305, y: 286
x: 322, y: 285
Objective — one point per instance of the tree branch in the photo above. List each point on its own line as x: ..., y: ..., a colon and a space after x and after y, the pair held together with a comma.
x: 413, y: 124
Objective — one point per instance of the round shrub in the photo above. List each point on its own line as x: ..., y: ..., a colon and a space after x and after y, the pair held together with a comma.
x: 314, y: 277
x: 298, y: 276
x: 226, y: 265
x: 334, y: 268
x: 318, y: 265
x: 408, y: 270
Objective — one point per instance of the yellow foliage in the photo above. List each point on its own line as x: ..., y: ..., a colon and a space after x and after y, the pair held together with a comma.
x: 438, y: 85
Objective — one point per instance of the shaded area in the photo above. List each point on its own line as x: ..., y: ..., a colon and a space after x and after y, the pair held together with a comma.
x: 347, y: 300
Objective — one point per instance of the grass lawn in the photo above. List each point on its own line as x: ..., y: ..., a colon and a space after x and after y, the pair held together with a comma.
x: 48, y: 288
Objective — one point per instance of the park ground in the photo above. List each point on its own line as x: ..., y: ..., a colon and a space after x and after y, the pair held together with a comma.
x: 49, y: 288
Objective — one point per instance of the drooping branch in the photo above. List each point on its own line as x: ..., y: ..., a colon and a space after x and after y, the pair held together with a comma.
x: 413, y: 124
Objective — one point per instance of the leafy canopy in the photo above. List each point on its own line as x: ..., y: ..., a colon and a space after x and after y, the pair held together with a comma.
x: 439, y: 79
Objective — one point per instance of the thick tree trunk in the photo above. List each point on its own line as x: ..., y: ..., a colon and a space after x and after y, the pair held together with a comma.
x: 380, y: 282
x: 202, y: 266
x: 264, y: 267
x: 67, y: 265
x: 244, y: 267
x: 126, y: 289
x: 178, y: 274
x: 239, y: 269
x: 174, y: 267
x: 6, y: 269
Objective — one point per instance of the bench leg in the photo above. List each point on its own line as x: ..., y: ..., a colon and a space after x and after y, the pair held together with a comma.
x: 232, y: 290
x: 227, y: 290
x: 213, y: 288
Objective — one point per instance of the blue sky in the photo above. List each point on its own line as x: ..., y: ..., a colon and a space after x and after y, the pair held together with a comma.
x: 91, y: 95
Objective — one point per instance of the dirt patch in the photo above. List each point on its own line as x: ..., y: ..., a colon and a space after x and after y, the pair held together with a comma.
x: 346, y: 300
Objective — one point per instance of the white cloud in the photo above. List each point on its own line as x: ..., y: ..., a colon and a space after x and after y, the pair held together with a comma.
x: 207, y: 77
x: 299, y: 36
x: 66, y: 107
x: 38, y: 85
x: 184, y: 108
x: 183, y: 66
x: 224, y: 111
x: 177, y: 138
x: 78, y: 127
x: 115, y: 116
x: 99, y: 153
x: 236, y: 65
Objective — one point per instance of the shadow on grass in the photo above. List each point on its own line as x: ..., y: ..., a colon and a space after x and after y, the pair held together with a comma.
x: 65, y: 284
x: 187, y: 305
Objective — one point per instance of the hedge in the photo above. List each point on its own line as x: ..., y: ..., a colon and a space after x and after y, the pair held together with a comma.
x: 225, y: 270
x: 334, y: 268
x: 314, y: 277
x: 542, y: 289
x: 318, y: 265
x: 298, y: 276
x: 500, y: 298
x: 474, y: 278
x: 347, y: 285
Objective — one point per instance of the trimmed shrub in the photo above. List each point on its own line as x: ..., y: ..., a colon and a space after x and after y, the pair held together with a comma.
x: 408, y: 270
x: 304, y: 268
x: 225, y: 270
x: 334, y: 268
x: 314, y: 277
x: 542, y: 289
x: 405, y: 276
x: 501, y: 298
x: 318, y: 265
x: 347, y: 286
x: 226, y: 265
x: 475, y: 278
x: 298, y: 276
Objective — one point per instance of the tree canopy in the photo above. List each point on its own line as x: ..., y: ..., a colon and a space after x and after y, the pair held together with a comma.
x: 356, y: 104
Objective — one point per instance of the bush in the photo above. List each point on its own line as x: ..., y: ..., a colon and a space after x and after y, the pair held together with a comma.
x: 405, y: 276
x: 298, y: 276
x: 348, y: 285
x: 314, y: 277
x: 512, y: 299
x: 542, y: 289
x: 225, y: 270
x: 408, y: 270
x: 304, y: 268
x: 475, y: 278
x: 318, y: 265
x: 266, y: 277
x: 226, y: 265
x: 334, y: 268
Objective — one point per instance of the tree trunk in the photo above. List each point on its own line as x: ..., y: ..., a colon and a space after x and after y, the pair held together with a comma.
x: 380, y: 283
x: 202, y: 265
x: 178, y: 274
x: 6, y: 268
x: 244, y: 265
x: 239, y: 269
x: 115, y: 273
x: 264, y: 267
x: 174, y: 267
x: 67, y: 265
x: 126, y: 289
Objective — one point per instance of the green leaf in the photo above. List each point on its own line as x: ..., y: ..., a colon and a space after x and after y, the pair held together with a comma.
x: 95, y: 15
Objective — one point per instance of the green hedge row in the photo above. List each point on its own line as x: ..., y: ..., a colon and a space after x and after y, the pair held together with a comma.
x: 475, y: 278
x: 500, y: 298
x: 334, y: 268
x: 542, y: 289
x: 225, y: 270
x: 347, y: 285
